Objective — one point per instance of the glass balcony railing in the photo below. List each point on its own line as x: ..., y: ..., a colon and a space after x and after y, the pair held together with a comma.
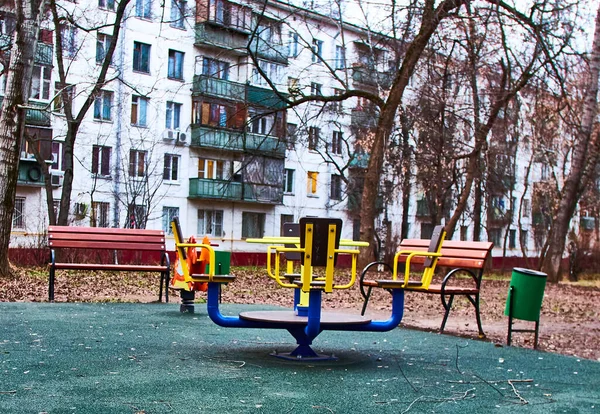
x: 234, y: 191
x: 221, y: 37
x: 221, y: 88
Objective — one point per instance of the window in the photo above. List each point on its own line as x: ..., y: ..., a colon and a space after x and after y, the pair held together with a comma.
x: 336, y: 142
x: 139, y: 111
x: 57, y: 156
x: 512, y: 239
x: 338, y: 105
x: 463, y: 233
x: 169, y: 213
x: 526, y: 207
x: 101, y: 160
x: 136, y: 217
x: 103, y: 42
x: 340, y: 57
x: 288, y: 181
x: 19, y: 213
x: 494, y: 235
x: 210, y: 222
x: 68, y: 40
x: 212, y: 114
x: 336, y: 187
x: 215, y: 68
x: 312, y: 182
x: 317, y: 49
x: 175, y: 70
x: 177, y: 13
x: 313, y: 138
x: 293, y: 44
x: 426, y: 230
x: 141, y: 57
x: 291, y: 131
x: 211, y: 169
x: 173, y: 115
x: 143, y: 9
x: 100, y: 212
x: 261, y: 124
x: 137, y: 163
x: 171, y: 167
x: 523, y: 237
x: 272, y: 71
x: 106, y: 4
x: 253, y: 224
x: 40, y: 82
x: 293, y: 86
x: 315, y: 89
x: 63, y: 92
x: 103, y: 106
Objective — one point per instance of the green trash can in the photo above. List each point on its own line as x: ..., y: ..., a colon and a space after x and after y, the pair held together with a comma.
x: 526, y: 292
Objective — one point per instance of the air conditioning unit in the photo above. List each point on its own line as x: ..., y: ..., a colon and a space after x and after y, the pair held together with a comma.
x: 181, y: 137
x: 169, y: 135
x: 56, y: 179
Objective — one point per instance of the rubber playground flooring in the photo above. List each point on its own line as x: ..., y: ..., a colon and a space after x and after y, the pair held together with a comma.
x: 149, y: 358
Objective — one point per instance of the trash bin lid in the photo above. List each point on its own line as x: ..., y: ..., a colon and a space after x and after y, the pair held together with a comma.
x: 529, y: 272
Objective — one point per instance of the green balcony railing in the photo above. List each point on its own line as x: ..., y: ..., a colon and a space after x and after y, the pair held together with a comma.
x: 265, y: 97
x: 43, y: 53
x: 265, y: 144
x: 236, y: 141
x: 37, y: 117
x: 211, y: 35
x: 371, y: 77
x: 275, y: 52
x: 234, y: 191
x: 221, y: 88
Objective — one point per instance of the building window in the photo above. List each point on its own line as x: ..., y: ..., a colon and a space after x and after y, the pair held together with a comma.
x: 103, y: 106
x: 169, y: 213
x: 171, y: 168
x: 253, y: 224
x: 106, y: 4
x: 177, y: 13
x: 100, y: 214
x: 103, y: 42
x: 215, y: 68
x: 68, y: 37
x: 213, y: 114
x: 526, y: 207
x: 512, y: 239
x: 136, y: 216
x: 137, y: 163
x: 336, y: 142
x: 139, y: 111
x: 66, y: 92
x: 426, y: 230
x: 19, y: 213
x: 173, y: 115
x: 40, y: 82
x: 261, y: 124
x: 315, y: 89
x: 175, y: 70
x: 101, y: 160
x: 141, y: 57
x: 143, y: 9
x: 494, y: 235
x: 210, y: 223
x: 293, y: 44
x: 340, y: 57
x: 312, y: 178
x: 313, y: 138
x: 57, y: 156
x: 336, y: 187
x: 210, y: 169
x: 291, y: 135
x: 288, y: 181
x: 317, y: 49
x: 463, y: 233
x: 523, y: 235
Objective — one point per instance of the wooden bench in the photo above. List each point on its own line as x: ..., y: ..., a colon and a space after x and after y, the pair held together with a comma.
x: 460, y: 257
x: 103, y: 245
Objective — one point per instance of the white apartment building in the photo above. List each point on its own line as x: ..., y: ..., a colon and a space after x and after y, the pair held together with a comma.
x: 188, y: 127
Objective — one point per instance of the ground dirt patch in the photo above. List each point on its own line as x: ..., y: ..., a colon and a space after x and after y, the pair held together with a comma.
x: 570, y: 321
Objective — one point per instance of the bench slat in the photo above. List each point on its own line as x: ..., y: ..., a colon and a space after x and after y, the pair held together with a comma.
x: 106, y: 237
x: 107, y: 245
x: 103, y: 230
x: 452, y: 244
x: 114, y: 267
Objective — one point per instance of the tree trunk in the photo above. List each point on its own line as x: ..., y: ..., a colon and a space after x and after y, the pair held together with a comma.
x: 585, y: 157
x: 12, y: 116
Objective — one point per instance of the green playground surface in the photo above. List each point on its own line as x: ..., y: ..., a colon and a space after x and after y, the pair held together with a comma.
x: 149, y: 358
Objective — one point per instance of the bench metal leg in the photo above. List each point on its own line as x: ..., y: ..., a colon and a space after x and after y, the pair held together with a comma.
x: 367, y: 296
x: 447, y: 307
x: 51, y: 285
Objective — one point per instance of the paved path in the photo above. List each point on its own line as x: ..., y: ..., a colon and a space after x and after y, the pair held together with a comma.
x: 149, y: 358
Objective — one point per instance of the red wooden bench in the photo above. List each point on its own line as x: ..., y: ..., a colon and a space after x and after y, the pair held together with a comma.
x: 103, y: 246
x: 460, y: 257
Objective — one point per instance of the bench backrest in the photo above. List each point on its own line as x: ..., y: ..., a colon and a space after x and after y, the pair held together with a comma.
x: 465, y: 254
x: 101, y: 238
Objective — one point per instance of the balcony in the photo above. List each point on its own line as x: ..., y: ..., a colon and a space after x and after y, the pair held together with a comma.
x: 222, y: 37
x: 265, y: 97
x: 363, y: 118
x: 275, y: 52
x: 221, y: 88
x: 43, y: 53
x: 37, y: 117
x: 223, y: 139
x: 234, y: 191
x: 371, y: 77
x: 587, y: 223
x: 360, y: 160
x: 30, y: 173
